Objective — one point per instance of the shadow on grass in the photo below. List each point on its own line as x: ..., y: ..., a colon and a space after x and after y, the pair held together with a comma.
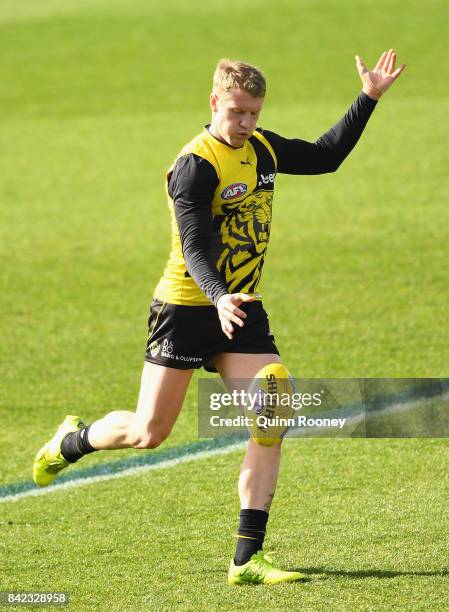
x: 369, y: 573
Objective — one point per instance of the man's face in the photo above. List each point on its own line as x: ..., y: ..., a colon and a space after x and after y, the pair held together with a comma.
x: 234, y: 116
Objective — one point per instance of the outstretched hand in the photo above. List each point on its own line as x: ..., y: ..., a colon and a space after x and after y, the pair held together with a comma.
x: 377, y: 81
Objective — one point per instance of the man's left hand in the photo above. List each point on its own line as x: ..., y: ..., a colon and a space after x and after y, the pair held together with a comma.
x: 377, y: 81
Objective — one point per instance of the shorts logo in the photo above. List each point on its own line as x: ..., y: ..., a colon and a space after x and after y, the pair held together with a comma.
x: 167, y: 348
x: 234, y: 191
x: 154, y: 348
x: 167, y: 352
x: 266, y: 179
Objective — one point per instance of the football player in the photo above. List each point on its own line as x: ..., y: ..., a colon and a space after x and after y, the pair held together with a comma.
x: 206, y: 311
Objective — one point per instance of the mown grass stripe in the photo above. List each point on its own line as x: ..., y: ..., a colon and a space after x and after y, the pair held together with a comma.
x: 119, y: 469
x: 437, y: 388
x: 105, y: 470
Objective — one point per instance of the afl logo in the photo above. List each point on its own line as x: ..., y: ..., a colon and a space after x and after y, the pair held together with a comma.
x: 234, y: 191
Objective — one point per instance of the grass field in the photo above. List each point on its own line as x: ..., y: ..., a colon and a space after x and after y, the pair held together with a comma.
x: 97, y: 97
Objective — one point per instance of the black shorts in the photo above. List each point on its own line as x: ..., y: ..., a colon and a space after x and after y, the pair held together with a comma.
x: 185, y: 337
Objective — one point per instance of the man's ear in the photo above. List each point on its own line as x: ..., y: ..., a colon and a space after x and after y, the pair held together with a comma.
x: 213, y: 100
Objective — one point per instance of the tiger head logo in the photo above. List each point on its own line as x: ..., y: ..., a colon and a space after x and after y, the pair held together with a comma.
x: 245, y: 230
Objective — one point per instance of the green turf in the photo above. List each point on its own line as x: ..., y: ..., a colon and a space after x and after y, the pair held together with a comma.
x: 97, y: 97
x: 352, y: 515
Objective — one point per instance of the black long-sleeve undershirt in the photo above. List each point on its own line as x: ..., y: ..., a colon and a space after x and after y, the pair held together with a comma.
x: 296, y: 156
x: 191, y: 186
x: 194, y: 180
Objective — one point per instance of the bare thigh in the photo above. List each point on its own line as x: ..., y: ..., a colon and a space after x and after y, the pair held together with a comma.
x: 162, y: 393
x: 235, y: 366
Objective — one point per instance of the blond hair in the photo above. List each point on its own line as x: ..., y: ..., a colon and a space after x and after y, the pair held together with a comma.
x: 231, y: 74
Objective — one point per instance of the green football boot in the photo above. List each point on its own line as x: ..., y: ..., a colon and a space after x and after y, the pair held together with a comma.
x: 49, y: 460
x: 260, y: 569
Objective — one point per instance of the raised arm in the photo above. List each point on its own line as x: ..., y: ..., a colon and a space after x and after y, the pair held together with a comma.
x: 296, y: 156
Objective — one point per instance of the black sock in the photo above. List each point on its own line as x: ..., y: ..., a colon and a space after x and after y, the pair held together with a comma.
x: 250, y: 535
x: 76, y: 444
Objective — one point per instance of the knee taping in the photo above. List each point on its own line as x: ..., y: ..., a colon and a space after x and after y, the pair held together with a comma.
x: 272, y: 412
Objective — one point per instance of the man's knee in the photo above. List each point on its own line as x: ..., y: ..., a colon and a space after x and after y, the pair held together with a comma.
x: 151, y: 437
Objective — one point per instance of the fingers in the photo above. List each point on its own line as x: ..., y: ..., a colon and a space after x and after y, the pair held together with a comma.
x: 229, y: 314
x: 389, y: 67
x: 398, y: 71
x: 360, y: 65
x: 385, y: 65
x: 381, y: 61
x: 235, y: 316
x: 386, y: 62
x: 382, y: 76
x: 236, y: 312
x: 227, y: 328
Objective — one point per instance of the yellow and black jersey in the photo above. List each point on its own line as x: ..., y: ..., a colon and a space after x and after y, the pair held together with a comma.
x: 220, y: 200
